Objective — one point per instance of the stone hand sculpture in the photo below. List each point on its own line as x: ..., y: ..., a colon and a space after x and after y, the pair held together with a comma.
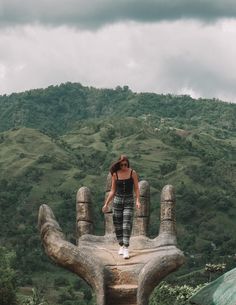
x: 95, y: 259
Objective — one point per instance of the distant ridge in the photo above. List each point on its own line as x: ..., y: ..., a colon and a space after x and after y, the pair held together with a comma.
x: 57, y: 108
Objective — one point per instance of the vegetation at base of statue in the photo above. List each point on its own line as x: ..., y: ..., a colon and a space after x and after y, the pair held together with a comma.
x: 166, y: 294
x: 55, y: 140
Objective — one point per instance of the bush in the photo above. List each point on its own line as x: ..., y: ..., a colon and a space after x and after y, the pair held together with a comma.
x: 45, y: 159
x: 61, y: 281
x: 79, y: 175
x: 60, y: 165
x: 7, y: 278
x: 36, y: 299
x: 166, y: 294
x: 168, y: 167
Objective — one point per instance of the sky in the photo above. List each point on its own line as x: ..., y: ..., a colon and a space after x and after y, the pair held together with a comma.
x: 161, y: 46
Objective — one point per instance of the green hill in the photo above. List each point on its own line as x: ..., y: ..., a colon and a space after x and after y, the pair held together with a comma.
x: 55, y: 140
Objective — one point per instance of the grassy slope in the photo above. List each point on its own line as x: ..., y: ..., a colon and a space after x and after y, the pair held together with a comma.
x: 22, y: 150
x: 201, y: 153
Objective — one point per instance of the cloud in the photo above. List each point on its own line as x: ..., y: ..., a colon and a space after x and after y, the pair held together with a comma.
x: 92, y: 14
x: 181, y: 57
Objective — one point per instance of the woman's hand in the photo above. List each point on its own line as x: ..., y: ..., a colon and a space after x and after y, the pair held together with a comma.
x: 138, y: 204
x: 105, y: 208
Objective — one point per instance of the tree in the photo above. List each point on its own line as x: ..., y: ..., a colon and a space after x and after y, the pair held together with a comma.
x: 7, y: 277
x: 214, y: 268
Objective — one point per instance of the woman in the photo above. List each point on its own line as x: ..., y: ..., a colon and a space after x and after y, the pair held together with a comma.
x: 124, y: 180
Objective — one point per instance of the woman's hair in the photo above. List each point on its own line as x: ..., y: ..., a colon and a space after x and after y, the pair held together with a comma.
x: 116, y: 165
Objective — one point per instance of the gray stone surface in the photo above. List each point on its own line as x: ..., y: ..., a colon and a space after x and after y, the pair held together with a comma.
x: 95, y: 259
x: 84, y: 218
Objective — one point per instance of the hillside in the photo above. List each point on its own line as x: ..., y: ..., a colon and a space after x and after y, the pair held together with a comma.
x: 57, y: 109
x: 55, y: 140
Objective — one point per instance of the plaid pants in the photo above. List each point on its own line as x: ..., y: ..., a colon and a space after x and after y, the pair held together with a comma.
x: 123, y: 207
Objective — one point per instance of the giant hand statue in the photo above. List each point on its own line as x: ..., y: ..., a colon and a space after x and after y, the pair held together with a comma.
x: 95, y: 259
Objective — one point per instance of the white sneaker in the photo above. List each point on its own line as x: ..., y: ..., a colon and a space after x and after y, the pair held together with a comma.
x: 126, y: 253
x: 121, y: 250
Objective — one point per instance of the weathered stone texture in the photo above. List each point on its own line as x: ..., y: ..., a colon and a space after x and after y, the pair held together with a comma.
x: 114, y: 280
x: 84, y: 218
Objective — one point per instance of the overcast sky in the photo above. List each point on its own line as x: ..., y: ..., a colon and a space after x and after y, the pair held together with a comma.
x: 162, y: 46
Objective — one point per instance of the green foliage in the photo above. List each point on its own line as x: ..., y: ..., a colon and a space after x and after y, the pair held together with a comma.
x: 7, y: 277
x: 166, y: 294
x: 69, y: 297
x: 168, y: 167
x: 36, y: 299
x: 68, y: 103
x: 214, y: 268
x: 61, y: 281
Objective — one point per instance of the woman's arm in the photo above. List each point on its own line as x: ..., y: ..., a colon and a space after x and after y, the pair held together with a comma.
x: 136, y: 189
x: 111, y: 194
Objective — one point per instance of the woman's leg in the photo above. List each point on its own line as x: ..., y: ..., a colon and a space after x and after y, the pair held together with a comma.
x: 118, y: 219
x: 127, y: 221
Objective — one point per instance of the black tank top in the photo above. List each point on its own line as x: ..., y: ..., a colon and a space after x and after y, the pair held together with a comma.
x: 124, y: 186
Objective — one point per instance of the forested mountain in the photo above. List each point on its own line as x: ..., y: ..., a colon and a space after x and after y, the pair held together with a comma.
x: 55, y: 140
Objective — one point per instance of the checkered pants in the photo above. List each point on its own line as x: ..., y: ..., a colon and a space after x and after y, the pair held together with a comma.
x: 123, y: 207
